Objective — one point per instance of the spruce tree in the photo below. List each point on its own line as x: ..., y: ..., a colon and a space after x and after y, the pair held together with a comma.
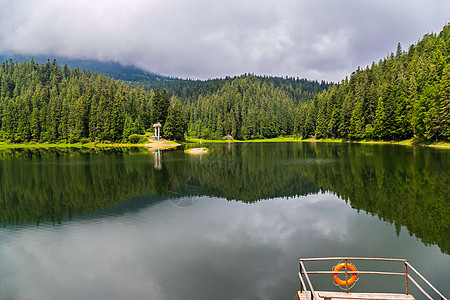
x: 175, y: 125
x: 444, y: 110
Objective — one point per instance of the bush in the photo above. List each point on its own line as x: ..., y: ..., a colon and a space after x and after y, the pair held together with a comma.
x: 137, y: 139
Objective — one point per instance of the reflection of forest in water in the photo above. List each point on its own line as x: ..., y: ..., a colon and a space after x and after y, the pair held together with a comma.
x: 405, y: 186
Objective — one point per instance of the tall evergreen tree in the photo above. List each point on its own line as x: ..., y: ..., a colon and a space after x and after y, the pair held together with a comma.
x: 175, y: 125
x: 444, y: 110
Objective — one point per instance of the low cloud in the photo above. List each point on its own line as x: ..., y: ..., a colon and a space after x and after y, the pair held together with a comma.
x: 324, y: 40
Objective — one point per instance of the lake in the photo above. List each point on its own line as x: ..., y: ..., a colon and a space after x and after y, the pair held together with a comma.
x: 231, y: 224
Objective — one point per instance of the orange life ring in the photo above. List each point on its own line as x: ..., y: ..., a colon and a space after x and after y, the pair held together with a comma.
x: 347, y: 266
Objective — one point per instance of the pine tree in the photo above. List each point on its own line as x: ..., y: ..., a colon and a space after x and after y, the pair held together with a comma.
x: 175, y: 125
x: 444, y: 95
x: 322, y: 118
x: 118, y: 119
x: 156, y: 104
x: 164, y: 106
x: 399, y: 52
x: 344, y: 124
x: 379, y: 128
x: 402, y: 123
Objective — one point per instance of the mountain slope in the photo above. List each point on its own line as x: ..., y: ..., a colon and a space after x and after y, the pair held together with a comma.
x: 402, y: 96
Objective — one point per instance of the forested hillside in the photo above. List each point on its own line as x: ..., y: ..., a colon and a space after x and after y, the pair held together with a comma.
x: 402, y: 96
x: 43, y: 102
x: 245, y: 108
x: 187, y: 90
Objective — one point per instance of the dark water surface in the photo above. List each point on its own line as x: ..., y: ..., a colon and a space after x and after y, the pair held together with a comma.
x: 232, y: 224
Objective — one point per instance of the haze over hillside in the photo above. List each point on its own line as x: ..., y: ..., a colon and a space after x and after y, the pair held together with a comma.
x: 109, y: 68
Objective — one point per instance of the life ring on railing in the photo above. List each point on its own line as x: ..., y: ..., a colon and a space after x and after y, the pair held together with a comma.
x: 347, y: 266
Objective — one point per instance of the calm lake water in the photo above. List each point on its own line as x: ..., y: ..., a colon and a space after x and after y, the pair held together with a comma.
x: 232, y: 224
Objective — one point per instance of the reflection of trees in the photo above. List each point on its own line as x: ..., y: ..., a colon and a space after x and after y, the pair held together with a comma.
x: 247, y: 173
x: 48, y: 185
x: 404, y: 186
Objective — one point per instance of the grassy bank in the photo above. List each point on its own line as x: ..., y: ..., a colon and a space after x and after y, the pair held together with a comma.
x: 4, y: 146
x: 171, y: 144
x: 40, y: 145
x: 410, y: 142
x: 273, y: 140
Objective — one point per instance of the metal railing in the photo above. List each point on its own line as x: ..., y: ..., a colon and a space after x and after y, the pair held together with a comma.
x: 304, y: 273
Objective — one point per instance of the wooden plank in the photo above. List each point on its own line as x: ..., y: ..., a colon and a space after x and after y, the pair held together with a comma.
x: 303, y: 296
x: 353, y: 296
x: 371, y: 296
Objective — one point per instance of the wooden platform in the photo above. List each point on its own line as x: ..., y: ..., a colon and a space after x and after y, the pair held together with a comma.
x: 353, y: 296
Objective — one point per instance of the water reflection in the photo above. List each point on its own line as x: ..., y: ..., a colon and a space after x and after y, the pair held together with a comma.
x: 228, y: 250
x: 404, y: 186
x: 158, y: 162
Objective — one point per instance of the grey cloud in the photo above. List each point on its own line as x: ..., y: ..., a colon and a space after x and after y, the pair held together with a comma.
x: 321, y: 39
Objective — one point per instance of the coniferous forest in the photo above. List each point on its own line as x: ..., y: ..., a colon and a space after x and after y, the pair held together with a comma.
x: 404, y: 95
x: 44, y: 102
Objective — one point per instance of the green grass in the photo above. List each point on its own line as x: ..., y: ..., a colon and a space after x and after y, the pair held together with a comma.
x: 170, y: 144
x: 4, y: 146
x: 39, y: 146
x: 330, y: 140
x: 272, y: 140
x: 312, y: 140
x: 410, y: 142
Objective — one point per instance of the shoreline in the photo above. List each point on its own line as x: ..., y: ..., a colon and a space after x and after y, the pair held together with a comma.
x: 151, y: 145
x: 410, y: 142
x: 164, y: 144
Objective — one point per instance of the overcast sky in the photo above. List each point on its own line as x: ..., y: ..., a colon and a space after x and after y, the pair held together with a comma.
x: 315, y: 39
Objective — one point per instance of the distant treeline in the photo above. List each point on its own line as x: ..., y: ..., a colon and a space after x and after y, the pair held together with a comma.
x: 44, y: 102
x: 405, y: 95
x: 246, y: 107
x: 188, y: 90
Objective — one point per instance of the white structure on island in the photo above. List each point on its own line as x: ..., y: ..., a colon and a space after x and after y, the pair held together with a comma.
x: 157, y: 127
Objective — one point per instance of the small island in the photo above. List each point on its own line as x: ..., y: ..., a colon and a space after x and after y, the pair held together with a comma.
x: 197, y: 151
